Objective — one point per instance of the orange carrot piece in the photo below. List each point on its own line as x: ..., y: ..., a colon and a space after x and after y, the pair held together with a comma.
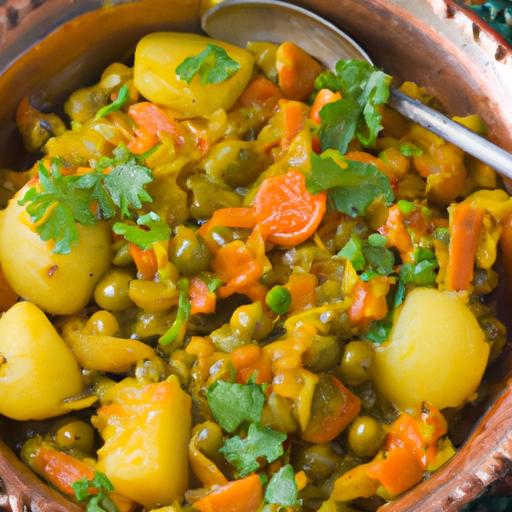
x: 286, y: 211
x: 337, y: 414
x: 260, y: 91
x: 239, y: 496
x: 398, y: 472
x: 237, y: 267
x: 302, y: 288
x: 293, y: 121
x: 152, y: 123
x: 8, y: 296
x: 251, y: 361
x: 61, y: 469
x: 323, y: 97
x: 367, y: 305
x: 396, y: 233
x: 202, y: 300
x: 465, y: 231
x: 145, y: 261
x: 296, y: 71
x: 229, y: 218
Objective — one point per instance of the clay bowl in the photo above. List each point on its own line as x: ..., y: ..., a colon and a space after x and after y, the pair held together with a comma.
x: 50, y: 47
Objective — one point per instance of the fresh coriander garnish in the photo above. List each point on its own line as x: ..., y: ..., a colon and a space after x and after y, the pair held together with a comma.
x: 260, y: 442
x: 363, y: 88
x: 158, y: 230
x: 282, y: 488
x: 409, y: 150
x: 213, y: 65
x: 57, y: 203
x: 351, y: 186
x: 117, y: 104
x: 96, y: 492
x: 232, y: 404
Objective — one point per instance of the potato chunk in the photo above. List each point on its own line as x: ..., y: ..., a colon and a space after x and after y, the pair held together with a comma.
x: 61, y: 284
x: 436, y: 352
x: 146, y: 428
x: 37, y: 369
x: 158, y: 55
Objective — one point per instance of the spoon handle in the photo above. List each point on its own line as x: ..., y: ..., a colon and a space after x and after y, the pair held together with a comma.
x: 453, y: 132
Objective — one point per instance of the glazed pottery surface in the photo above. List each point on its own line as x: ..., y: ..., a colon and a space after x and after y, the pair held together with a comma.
x: 48, y: 48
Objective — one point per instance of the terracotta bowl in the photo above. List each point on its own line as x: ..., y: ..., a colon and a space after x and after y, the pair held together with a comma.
x: 51, y: 47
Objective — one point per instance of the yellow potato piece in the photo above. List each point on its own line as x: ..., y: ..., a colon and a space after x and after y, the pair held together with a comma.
x: 436, y: 353
x: 158, y: 55
x: 37, y: 369
x: 146, y: 428
x: 107, y: 353
x: 61, y: 284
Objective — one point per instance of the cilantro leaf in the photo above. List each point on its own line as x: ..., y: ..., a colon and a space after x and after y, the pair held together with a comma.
x: 81, y: 489
x: 213, y: 65
x: 379, y: 259
x: 351, y: 189
x: 101, y: 482
x: 338, y: 126
x: 57, y: 206
x: 182, y: 316
x: 125, y: 184
x: 117, y: 104
x: 261, y: 442
x: 353, y: 251
x: 379, y: 331
x: 364, y: 88
x: 410, y: 150
x: 158, y: 230
x: 282, y: 488
x: 232, y: 404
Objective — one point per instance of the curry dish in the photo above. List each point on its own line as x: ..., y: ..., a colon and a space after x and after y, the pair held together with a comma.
x: 234, y: 281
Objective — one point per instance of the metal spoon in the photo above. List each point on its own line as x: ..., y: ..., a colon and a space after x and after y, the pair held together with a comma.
x: 240, y: 21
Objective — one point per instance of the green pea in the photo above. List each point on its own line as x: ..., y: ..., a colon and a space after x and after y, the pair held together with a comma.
x: 365, y: 436
x: 208, y: 438
x: 76, y: 434
x: 318, y: 461
x: 356, y: 362
x: 405, y: 206
x: 111, y: 293
x: 279, y: 300
x: 189, y: 252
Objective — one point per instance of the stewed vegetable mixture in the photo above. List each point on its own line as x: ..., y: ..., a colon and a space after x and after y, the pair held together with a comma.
x: 238, y: 282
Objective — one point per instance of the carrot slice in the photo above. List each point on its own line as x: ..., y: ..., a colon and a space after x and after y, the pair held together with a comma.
x: 396, y: 232
x: 152, y: 124
x: 145, y: 261
x: 260, y: 91
x: 368, y: 301
x: 287, y: 211
x: 294, y: 118
x: 398, y: 472
x: 201, y: 298
x: 465, y: 230
x: 239, y: 496
x: 323, y: 97
x: 296, y: 71
x: 62, y: 470
x: 229, y: 218
x: 251, y: 361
